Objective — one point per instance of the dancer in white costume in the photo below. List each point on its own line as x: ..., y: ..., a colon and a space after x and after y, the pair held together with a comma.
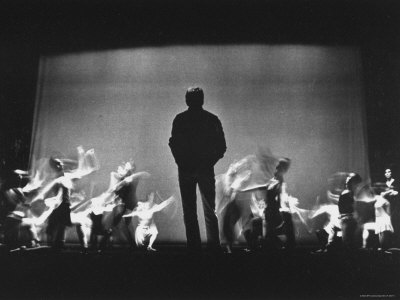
x: 147, y: 229
x: 382, y: 225
x: 100, y: 215
x: 64, y: 183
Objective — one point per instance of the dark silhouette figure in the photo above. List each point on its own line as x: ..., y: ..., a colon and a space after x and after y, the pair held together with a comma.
x: 346, y: 211
x: 197, y: 143
x: 277, y: 219
x: 60, y: 218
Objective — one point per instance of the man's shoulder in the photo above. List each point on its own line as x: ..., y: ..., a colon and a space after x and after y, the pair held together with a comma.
x: 188, y: 114
x: 181, y: 114
x: 210, y: 115
x: 180, y: 117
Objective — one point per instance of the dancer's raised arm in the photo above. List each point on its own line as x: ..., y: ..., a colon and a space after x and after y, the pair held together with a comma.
x: 42, y: 194
x: 130, y: 179
x: 83, y: 169
x: 164, y: 204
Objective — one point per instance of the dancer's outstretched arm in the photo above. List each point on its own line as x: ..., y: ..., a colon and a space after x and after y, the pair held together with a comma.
x: 82, y: 170
x: 238, y: 183
x: 323, y: 209
x: 129, y: 179
x: 162, y: 205
x: 51, y: 203
x: 42, y: 194
x: 366, y: 199
x: 390, y: 192
x: 33, y: 184
x: 134, y: 176
x: 131, y: 214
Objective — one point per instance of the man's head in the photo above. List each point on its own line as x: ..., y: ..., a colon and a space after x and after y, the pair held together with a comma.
x: 194, y: 97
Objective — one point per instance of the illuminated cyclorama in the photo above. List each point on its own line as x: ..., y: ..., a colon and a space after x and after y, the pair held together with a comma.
x: 301, y: 102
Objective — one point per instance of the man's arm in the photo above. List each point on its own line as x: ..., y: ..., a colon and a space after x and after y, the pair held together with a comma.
x: 176, y: 140
x: 220, y: 143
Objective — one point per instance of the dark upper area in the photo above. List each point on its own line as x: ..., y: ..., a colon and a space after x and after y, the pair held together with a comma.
x: 73, y: 25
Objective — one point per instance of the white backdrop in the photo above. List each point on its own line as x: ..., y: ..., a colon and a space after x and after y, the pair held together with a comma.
x: 303, y: 102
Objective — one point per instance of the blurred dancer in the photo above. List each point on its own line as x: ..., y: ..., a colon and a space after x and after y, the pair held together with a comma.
x: 276, y: 219
x: 327, y: 236
x: 382, y: 225
x: 146, y: 231
x: 327, y: 205
x: 100, y: 210
x: 99, y: 216
x: 60, y: 218
x: 197, y: 143
x: 16, y: 216
x: 254, y: 228
x: 100, y: 213
x: 346, y: 210
x: 229, y: 207
x: 80, y: 219
x: 392, y: 195
x: 124, y: 185
x: 229, y: 183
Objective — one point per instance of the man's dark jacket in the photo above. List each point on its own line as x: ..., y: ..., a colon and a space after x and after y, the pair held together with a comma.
x: 197, y: 140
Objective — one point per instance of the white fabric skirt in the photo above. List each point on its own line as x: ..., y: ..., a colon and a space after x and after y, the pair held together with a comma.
x: 383, y: 224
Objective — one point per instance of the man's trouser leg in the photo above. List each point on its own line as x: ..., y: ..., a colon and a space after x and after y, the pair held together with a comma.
x: 206, y: 180
x: 187, y: 184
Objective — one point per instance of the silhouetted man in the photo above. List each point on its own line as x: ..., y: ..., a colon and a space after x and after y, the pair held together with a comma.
x: 197, y: 143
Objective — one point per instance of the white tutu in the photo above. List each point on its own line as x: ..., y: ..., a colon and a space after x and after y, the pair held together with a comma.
x: 383, y: 224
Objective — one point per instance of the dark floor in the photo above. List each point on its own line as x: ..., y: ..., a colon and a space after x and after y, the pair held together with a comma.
x: 172, y: 274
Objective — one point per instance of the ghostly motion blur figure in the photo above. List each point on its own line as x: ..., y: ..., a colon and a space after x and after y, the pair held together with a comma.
x: 346, y: 210
x: 392, y: 195
x: 277, y: 212
x: 62, y: 185
x: 146, y: 231
x: 197, y: 143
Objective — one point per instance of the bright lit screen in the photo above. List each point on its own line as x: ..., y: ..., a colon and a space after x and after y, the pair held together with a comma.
x: 303, y: 102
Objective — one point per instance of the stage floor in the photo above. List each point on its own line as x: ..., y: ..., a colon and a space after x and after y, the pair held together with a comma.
x: 170, y: 273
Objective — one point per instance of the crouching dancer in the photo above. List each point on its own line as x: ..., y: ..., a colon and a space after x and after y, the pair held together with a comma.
x: 147, y: 229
